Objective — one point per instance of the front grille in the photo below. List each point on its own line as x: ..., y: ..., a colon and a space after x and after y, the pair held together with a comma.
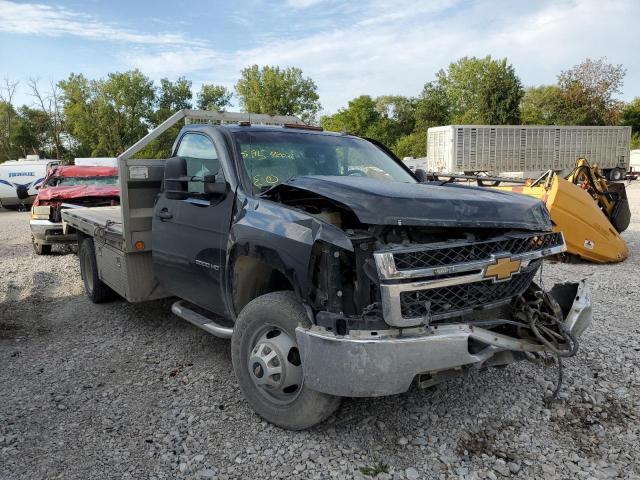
x: 442, y: 256
x: 447, y: 301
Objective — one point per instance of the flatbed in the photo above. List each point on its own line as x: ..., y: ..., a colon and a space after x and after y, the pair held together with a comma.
x: 101, y: 220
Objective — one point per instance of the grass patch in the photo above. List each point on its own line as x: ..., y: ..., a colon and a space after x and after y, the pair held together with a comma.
x: 375, y: 469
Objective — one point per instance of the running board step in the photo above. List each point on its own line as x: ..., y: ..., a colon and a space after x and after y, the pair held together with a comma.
x: 201, y: 321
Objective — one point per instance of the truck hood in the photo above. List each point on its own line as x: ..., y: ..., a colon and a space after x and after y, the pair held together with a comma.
x: 77, y: 191
x: 379, y: 202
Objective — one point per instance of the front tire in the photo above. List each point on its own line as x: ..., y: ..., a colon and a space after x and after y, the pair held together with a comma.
x: 267, y: 363
x: 96, y: 289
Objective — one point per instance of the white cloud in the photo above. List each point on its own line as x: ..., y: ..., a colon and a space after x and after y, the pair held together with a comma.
x: 302, y: 3
x: 375, y: 47
x: 40, y: 19
x: 396, y: 50
x: 171, y: 62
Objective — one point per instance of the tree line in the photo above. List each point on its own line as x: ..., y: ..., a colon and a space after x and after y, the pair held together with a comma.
x: 81, y: 117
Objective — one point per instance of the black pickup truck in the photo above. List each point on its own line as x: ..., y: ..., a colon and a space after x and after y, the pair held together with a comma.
x: 333, y: 268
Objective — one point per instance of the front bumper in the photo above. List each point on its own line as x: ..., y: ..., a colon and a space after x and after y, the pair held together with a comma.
x: 369, y: 364
x: 47, y: 232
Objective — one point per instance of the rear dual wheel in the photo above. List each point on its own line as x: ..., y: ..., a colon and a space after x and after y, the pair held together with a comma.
x: 96, y: 289
x: 268, y: 366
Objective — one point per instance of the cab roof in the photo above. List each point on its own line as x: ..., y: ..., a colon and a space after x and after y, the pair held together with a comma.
x: 265, y: 128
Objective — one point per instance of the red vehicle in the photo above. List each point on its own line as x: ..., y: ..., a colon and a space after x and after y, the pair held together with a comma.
x: 69, y: 187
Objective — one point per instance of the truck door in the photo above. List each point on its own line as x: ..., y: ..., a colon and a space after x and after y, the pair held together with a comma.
x: 190, y: 235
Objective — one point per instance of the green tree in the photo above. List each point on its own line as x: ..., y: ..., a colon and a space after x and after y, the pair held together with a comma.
x: 542, y: 105
x: 386, y: 119
x: 401, y: 110
x: 171, y: 97
x: 7, y: 117
x: 278, y: 92
x: 361, y: 117
x: 79, y: 99
x: 481, y: 91
x: 214, y: 97
x: 174, y: 96
x: 31, y: 134
x: 126, y: 101
x: 358, y: 118
x: 631, y: 117
x: 432, y: 107
x: 8, y: 120
x: 588, y: 93
x: 54, y: 143
x: 412, y: 145
x: 108, y: 115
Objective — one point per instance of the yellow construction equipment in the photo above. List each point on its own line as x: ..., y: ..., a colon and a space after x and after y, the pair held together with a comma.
x: 589, y: 211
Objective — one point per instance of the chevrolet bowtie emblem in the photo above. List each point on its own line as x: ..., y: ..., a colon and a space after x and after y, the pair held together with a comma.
x: 503, y: 269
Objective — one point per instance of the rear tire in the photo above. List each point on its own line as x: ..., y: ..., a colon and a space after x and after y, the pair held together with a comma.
x: 615, y: 175
x: 96, y: 290
x: 274, y: 387
x: 483, y: 183
x: 39, y: 248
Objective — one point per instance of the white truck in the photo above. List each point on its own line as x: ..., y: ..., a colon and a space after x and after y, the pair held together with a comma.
x: 20, y: 178
x: 527, y: 149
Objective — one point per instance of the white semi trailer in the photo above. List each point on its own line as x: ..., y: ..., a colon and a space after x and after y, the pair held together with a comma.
x: 634, y: 161
x: 529, y: 149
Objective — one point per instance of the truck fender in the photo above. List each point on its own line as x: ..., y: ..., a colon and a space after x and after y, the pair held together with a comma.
x: 281, y: 238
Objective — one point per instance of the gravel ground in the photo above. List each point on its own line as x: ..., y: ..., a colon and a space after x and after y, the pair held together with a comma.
x: 131, y: 391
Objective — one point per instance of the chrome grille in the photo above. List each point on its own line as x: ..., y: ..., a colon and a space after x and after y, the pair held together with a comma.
x: 471, y: 252
x: 454, y: 300
x: 437, y: 281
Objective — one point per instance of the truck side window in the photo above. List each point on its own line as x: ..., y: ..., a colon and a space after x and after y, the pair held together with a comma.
x: 201, y: 157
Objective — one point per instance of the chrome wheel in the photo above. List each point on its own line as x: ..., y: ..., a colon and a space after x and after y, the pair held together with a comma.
x: 274, y: 365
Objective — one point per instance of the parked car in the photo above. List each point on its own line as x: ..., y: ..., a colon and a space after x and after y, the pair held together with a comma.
x: 69, y: 187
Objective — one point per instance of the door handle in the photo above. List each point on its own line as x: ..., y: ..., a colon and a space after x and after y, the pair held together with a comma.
x: 165, y: 214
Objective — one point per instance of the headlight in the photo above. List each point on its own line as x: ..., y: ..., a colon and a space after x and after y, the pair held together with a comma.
x: 41, y: 212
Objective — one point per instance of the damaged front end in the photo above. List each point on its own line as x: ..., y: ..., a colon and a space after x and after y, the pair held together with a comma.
x: 410, y: 304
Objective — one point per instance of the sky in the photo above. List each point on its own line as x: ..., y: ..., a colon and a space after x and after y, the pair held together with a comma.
x: 348, y: 48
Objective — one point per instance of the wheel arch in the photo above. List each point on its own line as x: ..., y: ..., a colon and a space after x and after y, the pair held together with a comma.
x: 255, y: 271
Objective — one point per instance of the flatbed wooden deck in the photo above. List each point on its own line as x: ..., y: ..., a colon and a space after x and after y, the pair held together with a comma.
x: 96, y: 221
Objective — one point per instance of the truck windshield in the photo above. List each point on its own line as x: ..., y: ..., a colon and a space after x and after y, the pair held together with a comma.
x: 74, y: 181
x: 273, y: 157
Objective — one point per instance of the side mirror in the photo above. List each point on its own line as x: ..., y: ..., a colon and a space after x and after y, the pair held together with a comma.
x: 421, y: 175
x: 424, y: 177
x: 175, y: 181
x: 212, y: 187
